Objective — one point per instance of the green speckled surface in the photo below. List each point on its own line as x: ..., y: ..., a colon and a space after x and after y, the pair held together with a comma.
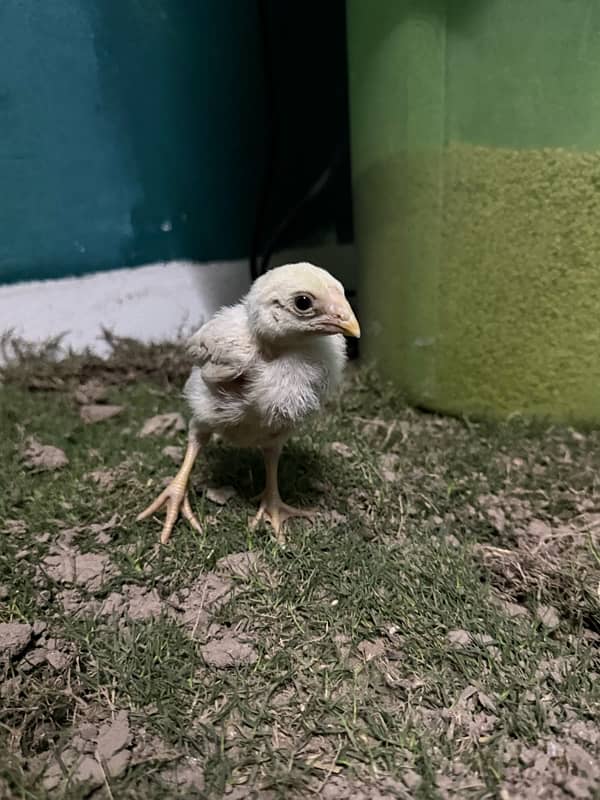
x: 514, y: 314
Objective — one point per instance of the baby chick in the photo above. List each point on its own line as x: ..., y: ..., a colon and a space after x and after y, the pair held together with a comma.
x: 263, y: 366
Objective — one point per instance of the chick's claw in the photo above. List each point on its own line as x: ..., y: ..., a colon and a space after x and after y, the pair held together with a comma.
x: 176, y: 500
x: 276, y: 512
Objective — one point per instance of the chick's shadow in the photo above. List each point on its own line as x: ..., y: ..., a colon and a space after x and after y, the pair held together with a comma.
x: 301, y: 469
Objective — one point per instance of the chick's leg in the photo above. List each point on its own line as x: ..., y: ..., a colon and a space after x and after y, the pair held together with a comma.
x: 272, y: 508
x: 175, y: 496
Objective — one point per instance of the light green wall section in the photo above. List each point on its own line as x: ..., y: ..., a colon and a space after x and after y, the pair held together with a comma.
x: 396, y: 76
x: 524, y: 74
x: 476, y: 175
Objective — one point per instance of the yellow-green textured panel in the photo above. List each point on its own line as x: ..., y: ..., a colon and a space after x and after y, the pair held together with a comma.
x: 476, y: 173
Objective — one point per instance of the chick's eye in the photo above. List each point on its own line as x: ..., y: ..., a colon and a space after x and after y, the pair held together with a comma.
x: 303, y: 302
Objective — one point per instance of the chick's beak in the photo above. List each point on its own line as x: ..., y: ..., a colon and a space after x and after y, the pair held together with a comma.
x: 343, y: 318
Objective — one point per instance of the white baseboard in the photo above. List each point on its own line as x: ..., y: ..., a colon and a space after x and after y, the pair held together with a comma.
x: 156, y: 303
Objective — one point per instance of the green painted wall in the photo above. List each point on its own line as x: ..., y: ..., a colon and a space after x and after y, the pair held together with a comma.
x: 476, y: 176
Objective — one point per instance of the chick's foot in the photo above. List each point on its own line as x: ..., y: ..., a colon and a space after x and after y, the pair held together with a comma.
x: 176, y: 501
x: 274, y: 511
x: 175, y: 497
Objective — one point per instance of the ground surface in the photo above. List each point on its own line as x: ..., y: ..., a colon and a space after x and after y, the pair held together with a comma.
x: 434, y: 635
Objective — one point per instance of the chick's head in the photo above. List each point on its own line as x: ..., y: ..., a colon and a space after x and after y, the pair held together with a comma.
x: 299, y: 300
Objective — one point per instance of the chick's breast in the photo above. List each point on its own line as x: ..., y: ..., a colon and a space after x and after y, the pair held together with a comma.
x: 293, y: 385
x: 252, y: 397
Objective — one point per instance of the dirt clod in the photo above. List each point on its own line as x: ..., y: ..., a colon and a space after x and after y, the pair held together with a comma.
x: 187, y: 774
x: 371, y: 649
x: 553, y: 768
x: 459, y: 638
x: 104, y: 478
x: 89, y: 570
x: 41, y: 457
x: 14, y: 527
x: 512, y: 610
x: 114, y: 736
x: 341, y: 449
x: 174, y: 453
x: 134, y: 602
x: 14, y: 638
x: 229, y: 651
x: 95, y: 412
x: 388, y: 467
x: 220, y: 495
x: 548, y: 616
x: 339, y: 787
x: 58, y: 660
x: 194, y: 605
x: 241, y: 564
x: 163, y: 424
x: 93, y: 754
x: 92, y: 391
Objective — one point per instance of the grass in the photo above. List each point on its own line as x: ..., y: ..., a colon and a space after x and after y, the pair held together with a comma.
x: 355, y: 681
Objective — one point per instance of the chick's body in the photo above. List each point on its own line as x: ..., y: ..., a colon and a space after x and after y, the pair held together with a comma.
x: 275, y: 389
x: 262, y: 367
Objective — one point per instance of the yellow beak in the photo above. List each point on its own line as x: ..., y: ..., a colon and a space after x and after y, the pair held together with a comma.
x: 344, y: 319
x: 351, y: 327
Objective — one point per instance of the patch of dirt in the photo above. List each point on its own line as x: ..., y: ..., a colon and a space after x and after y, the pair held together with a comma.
x: 101, y: 748
x: 148, y: 746
x: 14, y: 527
x: 186, y: 774
x: 555, y: 670
x: 69, y: 566
x: 134, y: 602
x: 371, y: 649
x: 67, y: 535
x: 90, y: 392
x: 95, y: 412
x: 242, y: 565
x: 506, y: 511
x: 220, y: 495
x: 32, y: 647
x: 174, y: 453
x: 14, y: 638
x: 43, y: 457
x: 339, y: 787
x: 551, y: 557
x: 460, y: 638
x: 57, y: 653
x: 120, y: 475
x: 333, y: 517
x: 456, y: 781
x: 193, y: 606
x: 389, y: 467
x: 229, y: 650
x: 50, y: 367
x: 548, y: 616
x: 341, y: 449
x: 470, y: 719
x: 104, y: 478
x: 93, y: 754
x: 509, y: 609
x: 163, y: 425
x: 552, y: 769
x: 74, y: 604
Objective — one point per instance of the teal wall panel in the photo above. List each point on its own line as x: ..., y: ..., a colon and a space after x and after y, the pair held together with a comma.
x: 130, y: 131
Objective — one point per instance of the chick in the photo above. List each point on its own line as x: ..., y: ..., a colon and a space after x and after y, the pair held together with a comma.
x: 263, y: 366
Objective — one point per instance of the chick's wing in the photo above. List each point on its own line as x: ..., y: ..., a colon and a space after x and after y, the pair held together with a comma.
x: 223, y: 348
